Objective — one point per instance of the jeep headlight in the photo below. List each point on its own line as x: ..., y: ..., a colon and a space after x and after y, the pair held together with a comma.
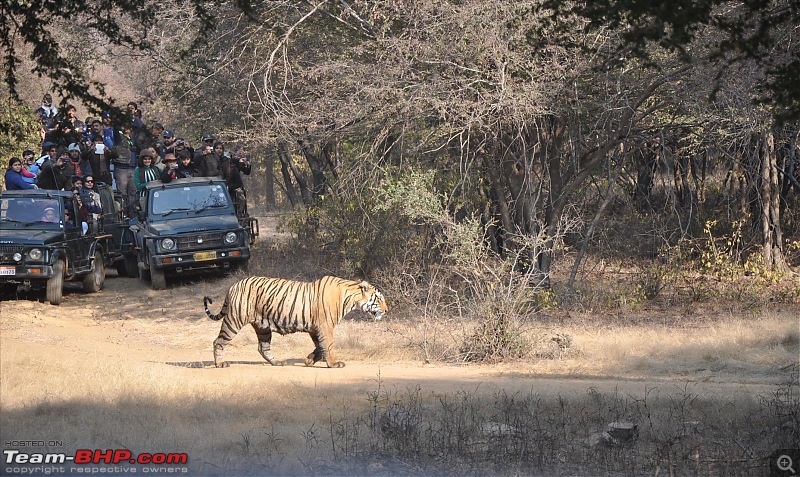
x: 230, y: 237
x: 35, y: 254
x: 168, y: 244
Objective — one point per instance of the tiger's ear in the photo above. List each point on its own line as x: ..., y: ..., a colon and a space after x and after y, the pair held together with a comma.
x: 365, y: 286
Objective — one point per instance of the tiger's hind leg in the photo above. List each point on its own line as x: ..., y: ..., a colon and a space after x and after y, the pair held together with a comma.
x: 265, y: 344
x: 324, y: 344
x: 219, y: 347
x: 227, y: 332
x: 315, y: 355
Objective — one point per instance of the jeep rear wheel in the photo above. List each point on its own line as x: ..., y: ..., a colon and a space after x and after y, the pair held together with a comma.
x: 55, y: 284
x: 131, y: 266
x: 93, y: 282
x: 144, y: 273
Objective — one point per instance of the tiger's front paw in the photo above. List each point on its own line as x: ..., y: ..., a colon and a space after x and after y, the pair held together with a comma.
x: 222, y: 364
x: 336, y: 364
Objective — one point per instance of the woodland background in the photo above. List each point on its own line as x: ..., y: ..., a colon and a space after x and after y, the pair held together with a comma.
x: 477, y: 142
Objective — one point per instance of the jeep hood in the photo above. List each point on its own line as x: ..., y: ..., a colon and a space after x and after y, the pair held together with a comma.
x: 194, y: 224
x: 27, y: 236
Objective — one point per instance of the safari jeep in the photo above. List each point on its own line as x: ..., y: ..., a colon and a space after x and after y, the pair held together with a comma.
x: 43, y: 244
x: 188, y: 225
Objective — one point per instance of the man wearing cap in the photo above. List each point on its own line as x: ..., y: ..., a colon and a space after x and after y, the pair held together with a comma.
x: 108, y: 130
x: 76, y: 165
x: 54, y: 174
x: 205, y: 160
x: 168, y: 145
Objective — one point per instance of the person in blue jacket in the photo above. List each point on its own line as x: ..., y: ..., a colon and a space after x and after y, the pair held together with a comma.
x: 14, y: 178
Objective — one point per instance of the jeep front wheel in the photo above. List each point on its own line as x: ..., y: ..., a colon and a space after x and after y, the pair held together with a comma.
x: 157, y: 279
x: 55, y: 284
x: 93, y: 282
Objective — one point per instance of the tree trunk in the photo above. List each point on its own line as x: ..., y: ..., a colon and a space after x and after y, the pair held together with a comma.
x: 283, y: 153
x: 317, y: 166
x: 287, y: 161
x: 682, y: 186
x: 269, y: 176
x: 771, y: 232
x: 646, y: 161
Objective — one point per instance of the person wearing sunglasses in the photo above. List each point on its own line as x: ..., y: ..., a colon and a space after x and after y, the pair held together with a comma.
x: 89, y: 191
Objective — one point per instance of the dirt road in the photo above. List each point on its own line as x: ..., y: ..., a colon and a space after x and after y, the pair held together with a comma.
x: 127, y: 322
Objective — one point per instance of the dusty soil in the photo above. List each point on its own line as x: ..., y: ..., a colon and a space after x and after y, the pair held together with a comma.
x: 127, y: 324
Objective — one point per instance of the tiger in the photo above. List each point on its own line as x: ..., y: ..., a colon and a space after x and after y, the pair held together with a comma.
x: 288, y: 306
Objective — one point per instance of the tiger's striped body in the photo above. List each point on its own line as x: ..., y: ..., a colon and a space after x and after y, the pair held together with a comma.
x: 287, y: 306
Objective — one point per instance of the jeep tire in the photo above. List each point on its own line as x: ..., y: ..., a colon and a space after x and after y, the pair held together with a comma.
x: 55, y: 284
x: 157, y: 279
x: 131, y: 266
x: 93, y: 282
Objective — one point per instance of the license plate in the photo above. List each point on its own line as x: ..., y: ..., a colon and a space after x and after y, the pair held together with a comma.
x: 8, y: 270
x: 200, y: 256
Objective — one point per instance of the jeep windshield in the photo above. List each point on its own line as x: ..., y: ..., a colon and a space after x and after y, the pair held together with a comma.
x: 194, y: 199
x: 31, y: 212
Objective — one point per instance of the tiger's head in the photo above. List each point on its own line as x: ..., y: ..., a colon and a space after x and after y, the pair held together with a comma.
x: 372, y: 301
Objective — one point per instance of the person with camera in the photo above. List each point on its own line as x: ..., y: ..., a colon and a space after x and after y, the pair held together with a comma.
x: 72, y: 128
x: 181, y: 146
x: 206, y: 160
x: 99, y: 156
x: 54, y: 174
x: 170, y: 171
x: 231, y: 168
x: 92, y: 207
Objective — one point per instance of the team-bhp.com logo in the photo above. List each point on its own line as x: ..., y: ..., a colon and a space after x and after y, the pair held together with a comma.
x: 92, y: 456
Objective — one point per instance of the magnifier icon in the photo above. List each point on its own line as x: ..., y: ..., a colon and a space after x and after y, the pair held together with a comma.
x: 785, y: 463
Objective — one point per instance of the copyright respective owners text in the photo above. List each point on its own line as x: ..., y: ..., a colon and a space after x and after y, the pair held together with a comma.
x: 784, y: 463
x: 49, y: 457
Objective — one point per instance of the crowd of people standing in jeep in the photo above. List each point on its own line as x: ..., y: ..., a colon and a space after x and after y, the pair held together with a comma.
x: 126, y: 154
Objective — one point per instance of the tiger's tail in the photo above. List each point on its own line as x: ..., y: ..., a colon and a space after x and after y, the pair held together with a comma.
x: 222, y: 312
